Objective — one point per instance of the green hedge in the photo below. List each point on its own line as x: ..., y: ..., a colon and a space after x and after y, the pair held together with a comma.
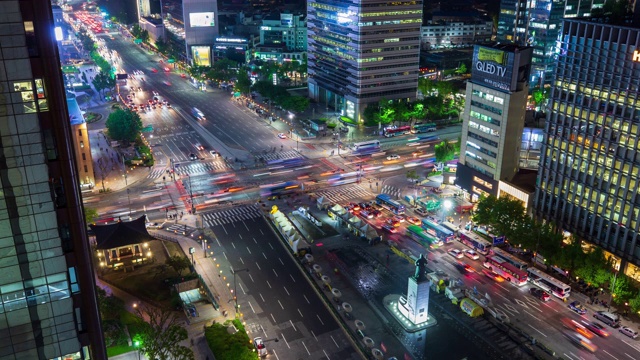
x: 230, y: 347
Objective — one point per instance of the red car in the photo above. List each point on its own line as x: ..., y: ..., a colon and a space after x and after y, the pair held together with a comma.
x: 154, y: 70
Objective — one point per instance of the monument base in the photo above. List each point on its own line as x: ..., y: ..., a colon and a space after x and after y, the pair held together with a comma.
x: 391, y: 303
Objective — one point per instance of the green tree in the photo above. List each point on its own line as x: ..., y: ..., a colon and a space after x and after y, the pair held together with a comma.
x: 136, y: 31
x: 162, y: 45
x: 144, y: 36
x: 160, y: 337
x: 294, y: 103
x: 445, y: 88
x: 572, y: 256
x: 90, y: 215
x: 124, y: 125
x: 85, y: 40
x: 634, y: 303
x: 412, y: 175
x: 620, y: 287
x: 178, y: 263
x: 243, y: 84
x: 445, y: 151
x: 507, y: 217
x: 462, y: 69
x: 110, y: 307
x: 223, y: 70
x: 426, y: 86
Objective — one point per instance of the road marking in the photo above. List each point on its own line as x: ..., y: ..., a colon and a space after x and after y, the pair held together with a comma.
x: 261, y: 231
x: 265, y: 333
x: 251, y: 277
x: 305, y: 347
x: 314, y: 334
x: 521, y: 303
x: 245, y: 225
x: 565, y: 354
x: 271, y: 246
x: 218, y: 242
x: 234, y: 245
x: 281, y: 261
x: 225, y: 230
x: 550, y: 307
x: 504, y: 297
x: 541, y: 333
x: 287, y: 291
x: 606, y: 352
x: 274, y: 352
x: 265, y: 256
x: 285, y: 339
x: 325, y: 354
x: 240, y: 236
x: 225, y: 255
x: 300, y: 312
x: 506, y: 310
x: 249, y: 250
x: 322, y: 322
x: 274, y: 271
x: 241, y: 288
x: 251, y: 306
x: 511, y: 308
x: 294, y: 327
x: 334, y: 341
x: 507, y: 290
x: 305, y: 297
x: 258, y: 265
x: 535, y: 317
x: 294, y: 280
x: 261, y: 297
x: 255, y: 241
x: 269, y: 284
x: 280, y: 304
x: 242, y: 261
x: 630, y: 356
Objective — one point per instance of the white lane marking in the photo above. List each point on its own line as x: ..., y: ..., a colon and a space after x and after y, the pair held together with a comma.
x: 334, y: 341
x: 271, y: 246
x: 533, y: 316
x: 274, y: 352
x: 242, y: 261
x: 631, y: 357
x: 265, y: 256
x: 565, y: 354
x: 541, y: 333
x: 322, y: 322
x: 258, y: 265
x: 255, y: 241
x: 251, y: 277
x: 305, y: 347
x: 294, y: 280
x: 261, y: 231
x: 225, y: 255
x: 504, y: 297
x: 245, y: 225
x: 325, y: 354
x: 280, y: 304
x: 281, y: 261
x: 269, y: 284
x: 265, y: 333
x: 274, y: 319
x: 287, y: 291
x: 314, y: 334
x: 261, y: 298
x: 234, y: 245
x: 294, y: 327
x: 606, y: 352
x: 249, y: 250
x: 507, y: 290
x: 274, y: 271
x: 285, y: 340
x: 225, y: 230
x: 305, y: 297
x: 251, y: 306
x: 241, y: 288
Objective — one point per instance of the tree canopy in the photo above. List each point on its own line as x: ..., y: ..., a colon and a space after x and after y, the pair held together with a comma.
x: 178, y: 263
x: 223, y: 70
x: 160, y: 337
x: 124, y: 125
x: 243, y: 84
x: 445, y: 151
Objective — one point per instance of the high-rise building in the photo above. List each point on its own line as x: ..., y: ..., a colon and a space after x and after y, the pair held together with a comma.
x: 588, y: 178
x: 362, y: 51
x: 493, y: 119
x: 48, y: 306
x: 537, y: 23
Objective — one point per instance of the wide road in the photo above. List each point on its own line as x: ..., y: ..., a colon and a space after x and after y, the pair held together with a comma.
x: 277, y: 301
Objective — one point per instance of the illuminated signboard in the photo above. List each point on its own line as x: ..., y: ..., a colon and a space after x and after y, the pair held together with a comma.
x: 636, y: 56
x: 201, y: 55
x: 493, y: 68
x: 231, y: 40
x: 58, y: 32
x: 203, y: 19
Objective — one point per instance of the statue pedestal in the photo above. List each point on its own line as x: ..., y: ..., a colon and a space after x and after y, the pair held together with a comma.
x: 397, y: 308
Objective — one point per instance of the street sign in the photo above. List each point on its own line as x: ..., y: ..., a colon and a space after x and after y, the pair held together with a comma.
x: 237, y: 94
x: 148, y: 128
x: 137, y: 41
x: 171, y: 60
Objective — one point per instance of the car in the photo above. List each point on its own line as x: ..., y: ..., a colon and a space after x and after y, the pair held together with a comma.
x: 193, y: 157
x: 154, y: 70
x: 390, y: 229
x: 629, y: 332
x: 366, y: 214
x: 166, y: 69
x: 183, y: 75
x: 199, y: 146
x: 261, y: 349
x: 421, y: 211
x: 466, y: 267
x: 376, y: 213
x: 455, y: 253
x: 214, y: 153
x: 578, y: 308
x: 540, y: 294
x: 393, y: 223
x: 581, y: 341
x: 413, y: 220
x: 596, y: 328
x: 155, y: 93
x: 154, y: 225
x: 398, y: 218
x: 282, y: 136
x: 168, y: 105
x: 166, y: 83
x: 393, y: 157
x: 471, y: 254
x: 491, y: 275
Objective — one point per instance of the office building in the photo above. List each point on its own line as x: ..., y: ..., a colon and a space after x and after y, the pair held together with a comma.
x: 493, y: 119
x: 48, y: 306
x: 283, y: 37
x: 362, y: 51
x: 588, y: 178
x: 537, y: 24
x: 445, y: 34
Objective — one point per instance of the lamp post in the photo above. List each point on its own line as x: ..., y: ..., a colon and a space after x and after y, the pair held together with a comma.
x: 193, y: 208
x: 446, y: 207
x: 129, y: 199
x: 235, y: 286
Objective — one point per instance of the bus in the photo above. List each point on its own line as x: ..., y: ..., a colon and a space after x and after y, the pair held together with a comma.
x: 396, y: 130
x: 417, y: 233
x: 519, y: 264
x: 484, y: 231
x: 420, y: 128
x: 198, y: 114
x: 386, y: 202
x: 509, y: 272
x: 440, y: 232
x: 451, y: 227
x: 475, y: 242
x: 548, y: 283
x: 279, y: 189
x: 366, y: 145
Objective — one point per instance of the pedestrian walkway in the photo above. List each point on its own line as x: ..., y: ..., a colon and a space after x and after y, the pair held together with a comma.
x: 180, y: 229
x: 199, y: 168
x: 344, y: 194
x: 223, y: 217
x: 278, y: 155
x: 391, y: 190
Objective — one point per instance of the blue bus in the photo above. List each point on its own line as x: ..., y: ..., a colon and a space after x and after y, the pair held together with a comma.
x: 386, y: 202
x: 440, y: 232
x: 279, y: 189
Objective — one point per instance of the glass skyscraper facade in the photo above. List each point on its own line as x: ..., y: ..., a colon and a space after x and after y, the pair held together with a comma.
x: 48, y: 306
x: 537, y: 23
x: 588, y: 178
x: 362, y: 51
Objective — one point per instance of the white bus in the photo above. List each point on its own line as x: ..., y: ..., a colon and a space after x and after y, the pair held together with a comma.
x: 366, y: 145
x: 450, y: 226
x: 548, y: 283
x: 520, y: 264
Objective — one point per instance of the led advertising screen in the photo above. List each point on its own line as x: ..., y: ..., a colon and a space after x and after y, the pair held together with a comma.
x: 493, y: 68
x: 201, y: 55
x: 203, y: 19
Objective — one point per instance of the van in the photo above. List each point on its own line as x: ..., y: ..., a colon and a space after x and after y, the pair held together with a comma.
x: 608, y: 318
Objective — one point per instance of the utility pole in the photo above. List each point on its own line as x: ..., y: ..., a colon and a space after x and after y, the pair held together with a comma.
x: 235, y: 287
x: 129, y: 198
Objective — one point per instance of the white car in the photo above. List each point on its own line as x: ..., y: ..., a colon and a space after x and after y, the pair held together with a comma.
x: 393, y: 157
x: 471, y: 254
x: 260, y: 348
x: 282, y: 136
x: 213, y: 153
x: 456, y: 253
x: 629, y: 332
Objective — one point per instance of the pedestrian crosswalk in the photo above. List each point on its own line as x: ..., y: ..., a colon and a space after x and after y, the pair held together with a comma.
x: 344, y: 194
x: 277, y: 155
x: 391, y: 190
x: 180, y: 229
x: 227, y: 216
x: 193, y: 168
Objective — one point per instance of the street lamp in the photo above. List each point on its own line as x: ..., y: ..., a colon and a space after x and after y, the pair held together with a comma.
x: 193, y: 208
x: 129, y: 198
x: 446, y: 207
x: 235, y: 287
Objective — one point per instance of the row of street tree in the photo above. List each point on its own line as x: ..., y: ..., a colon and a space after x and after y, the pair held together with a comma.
x: 581, y: 262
